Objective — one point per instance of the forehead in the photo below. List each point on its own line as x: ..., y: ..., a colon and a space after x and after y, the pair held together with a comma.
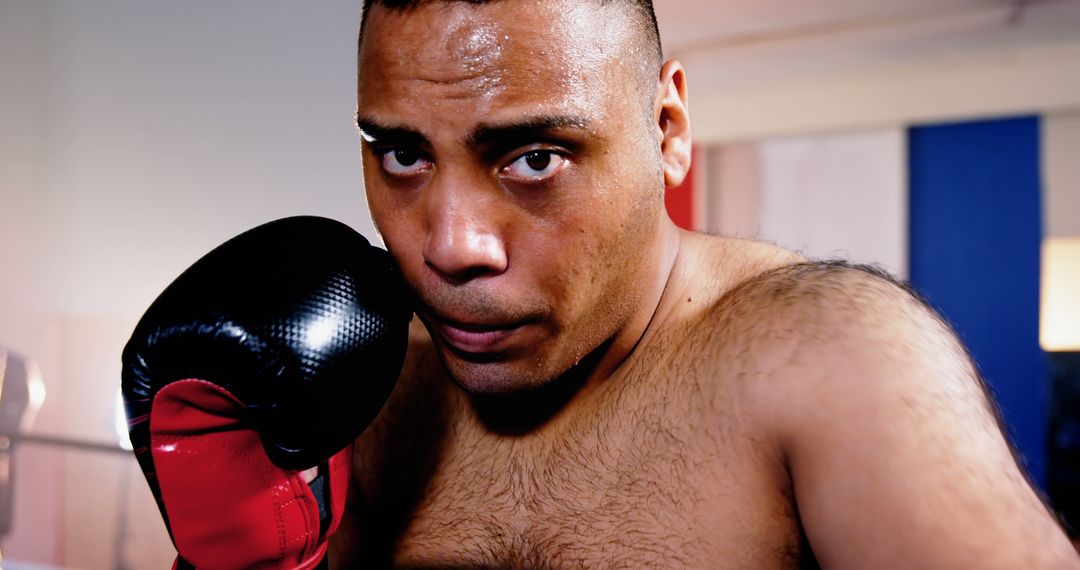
x: 508, y: 56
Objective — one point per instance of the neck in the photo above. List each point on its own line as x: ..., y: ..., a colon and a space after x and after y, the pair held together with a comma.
x: 653, y: 305
x: 524, y: 412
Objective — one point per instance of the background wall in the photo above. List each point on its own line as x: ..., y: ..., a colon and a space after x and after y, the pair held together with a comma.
x: 135, y: 136
x: 806, y: 122
x: 975, y: 240
x: 1061, y: 173
x: 813, y: 193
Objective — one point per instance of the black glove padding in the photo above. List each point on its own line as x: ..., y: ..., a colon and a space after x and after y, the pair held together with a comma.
x: 301, y: 319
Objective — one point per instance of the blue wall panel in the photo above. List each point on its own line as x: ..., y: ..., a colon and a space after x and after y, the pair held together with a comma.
x: 975, y: 231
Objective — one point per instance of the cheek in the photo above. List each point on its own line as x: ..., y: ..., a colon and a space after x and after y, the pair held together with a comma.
x: 399, y: 227
x: 572, y: 255
x: 614, y: 237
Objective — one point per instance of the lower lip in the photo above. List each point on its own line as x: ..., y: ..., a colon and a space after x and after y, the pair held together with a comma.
x: 474, y: 341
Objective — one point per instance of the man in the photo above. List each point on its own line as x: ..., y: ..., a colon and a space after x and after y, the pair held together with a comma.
x: 589, y: 386
x: 593, y: 387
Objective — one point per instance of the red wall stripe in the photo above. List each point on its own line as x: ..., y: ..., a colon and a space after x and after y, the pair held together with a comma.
x: 680, y: 200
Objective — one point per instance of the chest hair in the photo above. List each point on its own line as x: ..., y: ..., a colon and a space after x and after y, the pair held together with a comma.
x: 657, y: 472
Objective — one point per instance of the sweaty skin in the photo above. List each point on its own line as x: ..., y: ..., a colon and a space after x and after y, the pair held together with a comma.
x: 589, y: 387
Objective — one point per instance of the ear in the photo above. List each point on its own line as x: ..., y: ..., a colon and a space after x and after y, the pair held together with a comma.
x: 672, y: 117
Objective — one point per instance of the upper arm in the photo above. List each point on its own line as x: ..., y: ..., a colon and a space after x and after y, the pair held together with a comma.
x: 893, y: 447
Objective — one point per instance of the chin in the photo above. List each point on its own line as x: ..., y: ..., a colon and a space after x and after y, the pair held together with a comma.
x: 514, y: 397
x: 491, y: 378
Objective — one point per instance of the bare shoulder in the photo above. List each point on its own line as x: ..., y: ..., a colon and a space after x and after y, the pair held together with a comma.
x: 719, y: 264
x: 790, y: 324
x: 395, y: 456
x: 421, y: 386
x: 832, y: 305
x: 894, y: 448
x: 827, y: 323
x: 829, y: 339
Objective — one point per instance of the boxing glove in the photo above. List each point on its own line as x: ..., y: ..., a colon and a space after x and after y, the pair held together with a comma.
x: 266, y: 358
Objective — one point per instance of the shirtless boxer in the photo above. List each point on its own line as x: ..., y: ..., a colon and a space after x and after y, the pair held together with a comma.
x: 591, y: 387
x: 594, y: 387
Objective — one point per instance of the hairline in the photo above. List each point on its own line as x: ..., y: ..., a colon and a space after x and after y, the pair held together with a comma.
x: 640, y: 12
x: 644, y: 16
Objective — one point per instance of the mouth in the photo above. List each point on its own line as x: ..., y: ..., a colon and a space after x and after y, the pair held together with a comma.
x: 476, y: 338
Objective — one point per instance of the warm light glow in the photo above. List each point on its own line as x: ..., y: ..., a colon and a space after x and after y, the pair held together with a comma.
x: 1059, y: 318
x: 122, y: 436
x: 36, y: 387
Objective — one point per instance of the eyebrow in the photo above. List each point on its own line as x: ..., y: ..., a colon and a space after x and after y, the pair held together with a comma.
x: 372, y: 132
x: 484, y: 135
x: 529, y: 129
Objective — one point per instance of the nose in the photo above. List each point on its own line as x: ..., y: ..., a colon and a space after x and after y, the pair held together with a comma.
x: 463, y: 241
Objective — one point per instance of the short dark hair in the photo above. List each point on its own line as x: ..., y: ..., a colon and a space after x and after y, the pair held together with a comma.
x: 642, y: 9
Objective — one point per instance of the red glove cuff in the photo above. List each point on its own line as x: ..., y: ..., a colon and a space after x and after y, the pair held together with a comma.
x: 227, y: 505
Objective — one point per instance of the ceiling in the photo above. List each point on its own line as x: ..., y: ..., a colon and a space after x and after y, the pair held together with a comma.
x: 732, y: 42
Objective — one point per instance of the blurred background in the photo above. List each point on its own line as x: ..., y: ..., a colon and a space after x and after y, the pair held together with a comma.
x: 939, y: 139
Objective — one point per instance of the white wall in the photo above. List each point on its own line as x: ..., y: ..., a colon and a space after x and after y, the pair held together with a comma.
x: 23, y: 329
x: 1061, y: 173
x: 842, y: 195
x: 135, y: 136
x: 177, y: 124
x: 843, y: 66
x: 1059, y: 318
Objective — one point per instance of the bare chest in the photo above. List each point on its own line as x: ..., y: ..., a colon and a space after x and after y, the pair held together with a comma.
x: 658, y: 474
x: 595, y: 507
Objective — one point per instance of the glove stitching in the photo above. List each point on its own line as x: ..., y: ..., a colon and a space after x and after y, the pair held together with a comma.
x: 298, y: 498
x: 279, y: 505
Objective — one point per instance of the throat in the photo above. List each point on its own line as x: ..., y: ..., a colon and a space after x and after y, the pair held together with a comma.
x: 522, y: 412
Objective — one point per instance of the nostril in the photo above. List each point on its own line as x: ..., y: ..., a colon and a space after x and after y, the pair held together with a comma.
x: 464, y: 254
x: 463, y: 275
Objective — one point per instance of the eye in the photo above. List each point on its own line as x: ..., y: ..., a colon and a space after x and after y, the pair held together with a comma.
x: 536, y: 165
x: 404, y: 162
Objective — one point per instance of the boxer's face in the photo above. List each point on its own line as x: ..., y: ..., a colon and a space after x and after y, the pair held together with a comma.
x: 512, y: 170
